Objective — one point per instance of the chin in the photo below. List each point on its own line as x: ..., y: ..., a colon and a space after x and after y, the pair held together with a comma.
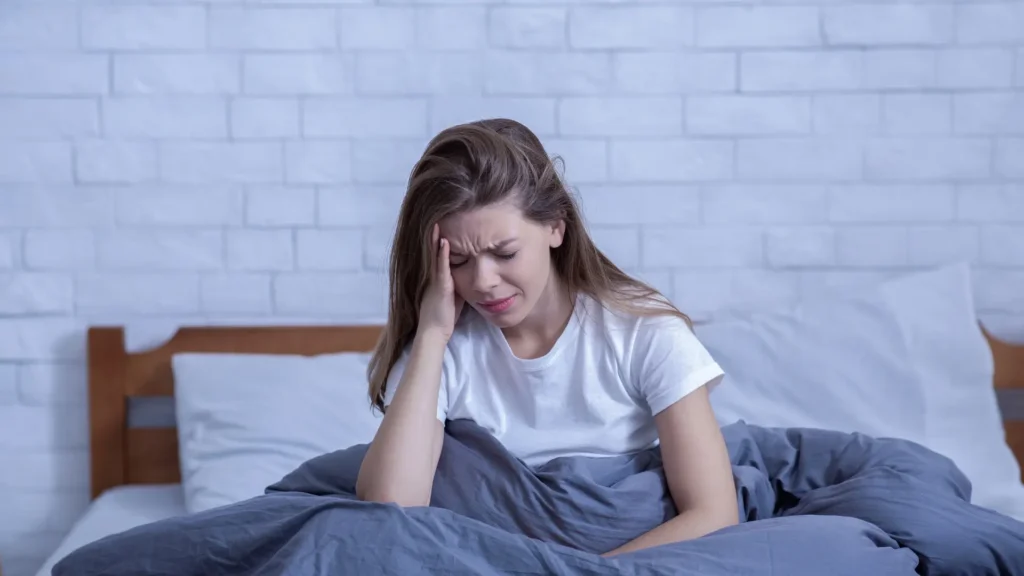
x: 503, y: 321
x: 507, y: 320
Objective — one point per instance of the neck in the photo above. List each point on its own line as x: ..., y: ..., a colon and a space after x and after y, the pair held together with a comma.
x: 549, y: 316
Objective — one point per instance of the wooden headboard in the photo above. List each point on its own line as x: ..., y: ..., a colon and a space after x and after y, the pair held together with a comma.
x: 1009, y: 383
x: 128, y: 455
x: 121, y: 454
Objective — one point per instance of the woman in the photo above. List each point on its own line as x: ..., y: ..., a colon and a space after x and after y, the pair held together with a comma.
x: 503, y: 311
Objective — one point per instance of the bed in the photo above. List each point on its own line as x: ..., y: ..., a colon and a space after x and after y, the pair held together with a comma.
x: 136, y: 471
x: 136, y: 477
x: 118, y: 509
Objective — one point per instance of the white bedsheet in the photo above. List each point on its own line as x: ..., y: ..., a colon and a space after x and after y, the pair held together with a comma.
x: 117, y: 510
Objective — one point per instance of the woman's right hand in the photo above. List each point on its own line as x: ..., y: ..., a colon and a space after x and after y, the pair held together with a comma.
x: 401, y: 462
x: 441, y: 306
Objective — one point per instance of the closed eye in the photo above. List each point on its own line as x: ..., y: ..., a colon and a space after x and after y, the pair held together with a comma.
x: 463, y: 262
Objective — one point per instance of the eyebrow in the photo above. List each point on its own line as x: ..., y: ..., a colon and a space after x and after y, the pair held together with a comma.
x: 496, y: 246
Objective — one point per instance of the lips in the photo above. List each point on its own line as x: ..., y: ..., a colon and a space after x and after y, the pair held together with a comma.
x: 496, y: 306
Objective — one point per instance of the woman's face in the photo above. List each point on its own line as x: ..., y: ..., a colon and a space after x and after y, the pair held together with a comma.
x: 500, y: 261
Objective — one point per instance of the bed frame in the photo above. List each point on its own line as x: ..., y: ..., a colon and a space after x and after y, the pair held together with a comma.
x: 125, y: 454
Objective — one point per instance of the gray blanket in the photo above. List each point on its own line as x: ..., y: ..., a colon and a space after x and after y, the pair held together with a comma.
x: 812, y: 502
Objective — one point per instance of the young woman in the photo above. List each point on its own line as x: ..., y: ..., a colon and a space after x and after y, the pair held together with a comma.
x: 503, y: 311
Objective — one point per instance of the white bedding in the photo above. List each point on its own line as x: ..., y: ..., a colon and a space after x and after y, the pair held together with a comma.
x: 117, y: 510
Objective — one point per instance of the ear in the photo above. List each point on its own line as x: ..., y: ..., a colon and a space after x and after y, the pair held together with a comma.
x: 557, y: 233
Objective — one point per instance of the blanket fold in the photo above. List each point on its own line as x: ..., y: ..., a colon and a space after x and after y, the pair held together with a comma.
x: 811, y: 502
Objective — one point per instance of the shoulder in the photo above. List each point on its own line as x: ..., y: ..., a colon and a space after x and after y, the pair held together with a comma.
x: 662, y: 356
x: 664, y: 329
x: 644, y: 336
x: 639, y: 330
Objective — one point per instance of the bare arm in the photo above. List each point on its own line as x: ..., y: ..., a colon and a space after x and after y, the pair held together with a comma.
x: 400, y: 463
x: 698, y: 472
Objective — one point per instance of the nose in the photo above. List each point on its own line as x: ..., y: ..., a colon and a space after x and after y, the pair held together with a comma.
x: 485, y: 276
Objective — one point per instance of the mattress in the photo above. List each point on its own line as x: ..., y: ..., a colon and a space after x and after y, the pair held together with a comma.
x: 117, y: 510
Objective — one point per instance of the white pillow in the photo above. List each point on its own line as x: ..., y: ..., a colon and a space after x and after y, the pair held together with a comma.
x: 903, y: 358
x: 246, y: 420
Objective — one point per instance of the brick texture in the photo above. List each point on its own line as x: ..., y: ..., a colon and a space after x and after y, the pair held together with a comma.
x: 231, y: 160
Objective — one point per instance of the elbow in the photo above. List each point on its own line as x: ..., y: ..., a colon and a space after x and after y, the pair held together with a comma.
x: 710, y: 517
x: 383, y: 494
x: 391, y: 497
x: 728, y: 518
x: 725, y: 510
x: 723, y: 516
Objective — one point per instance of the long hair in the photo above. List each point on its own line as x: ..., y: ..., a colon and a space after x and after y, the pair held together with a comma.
x: 479, y: 164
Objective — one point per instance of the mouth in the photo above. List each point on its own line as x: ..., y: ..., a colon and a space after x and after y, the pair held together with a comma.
x: 497, y: 306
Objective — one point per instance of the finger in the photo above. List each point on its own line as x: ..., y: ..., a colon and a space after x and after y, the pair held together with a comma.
x: 442, y: 262
x: 435, y: 241
x: 458, y: 305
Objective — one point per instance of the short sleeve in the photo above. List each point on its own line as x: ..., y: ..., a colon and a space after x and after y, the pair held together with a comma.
x: 669, y: 362
x: 395, y: 378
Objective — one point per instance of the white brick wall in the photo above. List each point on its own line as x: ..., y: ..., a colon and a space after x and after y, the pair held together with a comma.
x: 242, y: 161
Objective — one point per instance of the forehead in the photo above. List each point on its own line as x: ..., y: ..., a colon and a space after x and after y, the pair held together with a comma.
x: 482, y: 226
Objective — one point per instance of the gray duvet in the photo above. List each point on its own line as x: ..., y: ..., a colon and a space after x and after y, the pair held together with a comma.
x: 812, y: 502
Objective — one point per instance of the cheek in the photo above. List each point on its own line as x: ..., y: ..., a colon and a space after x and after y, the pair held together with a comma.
x: 529, y: 271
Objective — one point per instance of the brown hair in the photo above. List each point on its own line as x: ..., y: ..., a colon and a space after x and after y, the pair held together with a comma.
x: 475, y: 165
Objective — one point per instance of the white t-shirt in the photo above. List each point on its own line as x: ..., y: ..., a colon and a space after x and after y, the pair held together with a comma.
x: 595, y: 393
